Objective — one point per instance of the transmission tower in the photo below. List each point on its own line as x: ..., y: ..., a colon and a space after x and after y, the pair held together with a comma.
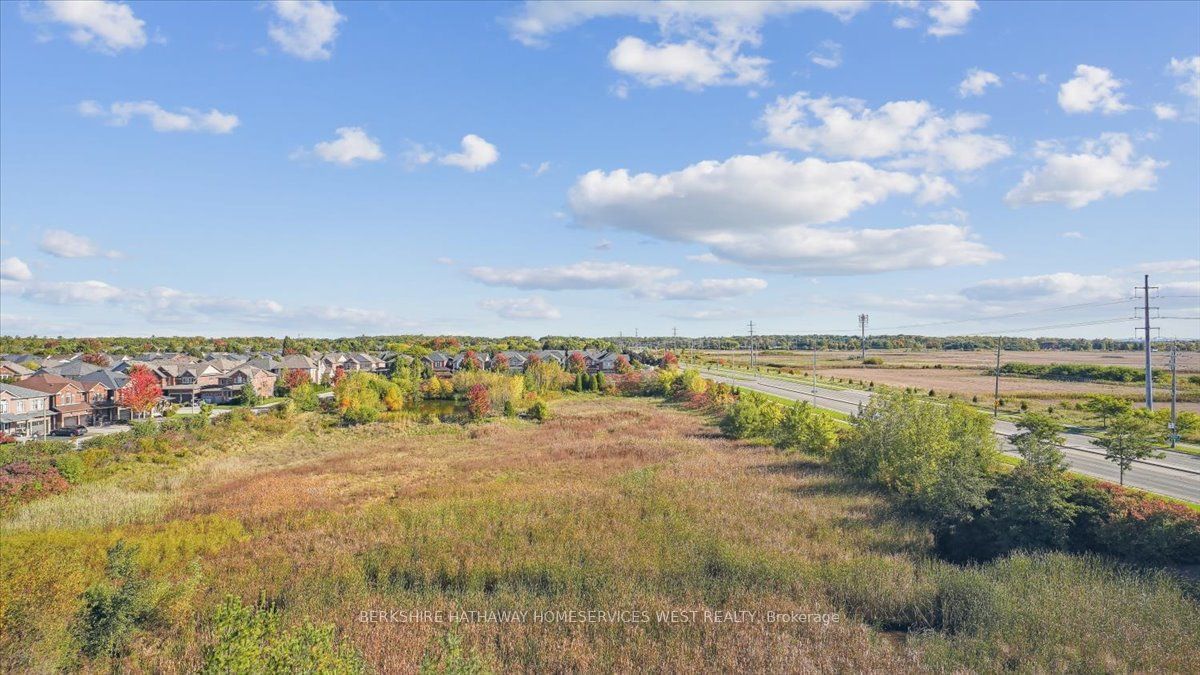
x: 1145, y: 288
x: 862, y: 327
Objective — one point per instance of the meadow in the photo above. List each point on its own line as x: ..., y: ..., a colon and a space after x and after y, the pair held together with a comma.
x: 623, y: 505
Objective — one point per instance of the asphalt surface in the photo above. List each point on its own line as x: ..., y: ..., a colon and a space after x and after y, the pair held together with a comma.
x: 1177, y: 475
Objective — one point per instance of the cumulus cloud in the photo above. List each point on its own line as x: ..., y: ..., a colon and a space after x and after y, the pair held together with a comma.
x: 1093, y: 88
x: 950, y: 17
x: 106, y: 27
x: 689, y: 64
x: 827, y: 55
x: 907, y: 133
x: 477, y: 154
x: 64, y: 292
x: 15, y: 269
x: 534, y: 307
x: 1188, y: 72
x: 351, y: 146
x: 761, y: 211
x: 1103, y: 167
x: 63, y: 244
x: 1165, y: 111
x: 581, y: 275
x: 976, y: 82
x: 703, y: 289
x: 701, y: 43
x: 305, y: 28
x: 187, y: 119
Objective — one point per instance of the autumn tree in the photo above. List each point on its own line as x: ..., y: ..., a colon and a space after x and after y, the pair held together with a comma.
x: 576, y: 363
x: 295, y: 378
x: 670, y: 360
x: 500, y: 363
x: 471, y: 361
x: 142, y: 392
x: 623, y: 366
x: 96, y: 359
x: 479, y: 401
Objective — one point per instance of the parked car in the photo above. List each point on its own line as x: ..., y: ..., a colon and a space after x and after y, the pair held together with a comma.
x: 69, y: 431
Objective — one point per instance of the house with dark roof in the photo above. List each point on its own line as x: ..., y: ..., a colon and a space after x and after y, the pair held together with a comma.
x: 104, y: 389
x: 14, y: 370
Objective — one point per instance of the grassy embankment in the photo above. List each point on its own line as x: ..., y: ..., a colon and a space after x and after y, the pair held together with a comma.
x: 613, y: 504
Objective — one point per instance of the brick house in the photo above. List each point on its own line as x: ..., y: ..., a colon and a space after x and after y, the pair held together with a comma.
x: 68, y: 403
x: 24, y: 413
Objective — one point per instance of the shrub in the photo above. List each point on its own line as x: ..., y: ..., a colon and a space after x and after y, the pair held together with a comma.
x: 872, y: 361
x: 71, y: 467
x: 22, y: 482
x: 447, y: 656
x: 539, y: 410
x: 479, y: 401
x: 802, y: 427
x: 115, y: 608
x: 253, y: 640
x: 752, y: 415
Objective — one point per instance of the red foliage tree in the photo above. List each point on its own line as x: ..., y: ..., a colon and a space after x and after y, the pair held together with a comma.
x: 96, y: 359
x: 670, y: 360
x: 339, y: 374
x: 142, y: 392
x: 500, y: 363
x: 471, y: 361
x: 533, y: 360
x: 289, y: 351
x: 623, y: 366
x: 576, y: 363
x: 295, y: 378
x: 479, y: 401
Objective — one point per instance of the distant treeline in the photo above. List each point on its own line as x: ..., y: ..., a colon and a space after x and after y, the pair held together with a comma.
x: 1076, y: 372
x: 47, y: 346
x: 915, y: 342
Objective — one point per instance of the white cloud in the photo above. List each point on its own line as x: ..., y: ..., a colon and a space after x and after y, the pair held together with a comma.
x: 305, y: 28
x: 1188, y: 71
x: 541, y: 168
x: 701, y: 42
x: 910, y: 133
x: 1072, y: 235
x: 1104, y: 167
x: 15, y: 269
x: 107, y: 27
x: 704, y: 289
x: 827, y: 55
x: 1190, y: 266
x: 581, y: 275
x: 706, y: 258
x: 63, y: 292
x: 168, y: 305
x: 534, y: 307
x: 351, y: 146
x: 477, y: 154
x: 444, y: 260
x: 760, y: 211
x: 689, y: 64
x: 1060, y: 286
x: 62, y: 244
x: 950, y: 17
x: 1092, y: 88
x: 188, y: 119
x: 707, y: 314
x: 976, y: 82
x: 1165, y: 111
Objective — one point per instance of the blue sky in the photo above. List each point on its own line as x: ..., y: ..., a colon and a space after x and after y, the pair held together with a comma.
x: 596, y: 168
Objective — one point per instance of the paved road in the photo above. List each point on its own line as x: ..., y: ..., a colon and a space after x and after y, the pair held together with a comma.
x: 1177, y: 475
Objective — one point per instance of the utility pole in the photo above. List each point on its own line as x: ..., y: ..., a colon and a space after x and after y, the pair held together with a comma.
x: 814, y: 377
x: 1145, y: 288
x: 675, y: 338
x: 996, y: 393
x: 753, y: 360
x: 1174, y: 394
x: 862, y: 326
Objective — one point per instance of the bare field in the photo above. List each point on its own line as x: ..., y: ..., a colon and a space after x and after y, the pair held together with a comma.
x: 1189, y: 362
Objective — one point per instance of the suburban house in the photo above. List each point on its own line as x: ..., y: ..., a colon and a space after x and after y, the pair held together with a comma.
x: 72, y: 369
x: 104, y: 389
x: 24, y: 413
x: 438, y: 362
x: 290, y: 362
x: 182, y: 383
x: 14, y: 370
x: 230, y: 384
x: 68, y: 404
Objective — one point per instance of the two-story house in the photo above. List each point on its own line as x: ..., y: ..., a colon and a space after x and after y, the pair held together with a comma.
x: 68, y: 404
x: 104, y: 389
x: 24, y: 413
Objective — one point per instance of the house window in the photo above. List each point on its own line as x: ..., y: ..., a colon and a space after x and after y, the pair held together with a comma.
x: 68, y: 399
x: 20, y: 407
x: 3, y: 406
x: 37, y: 404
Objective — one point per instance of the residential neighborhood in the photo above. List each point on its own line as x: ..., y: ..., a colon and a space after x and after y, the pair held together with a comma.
x: 43, y: 394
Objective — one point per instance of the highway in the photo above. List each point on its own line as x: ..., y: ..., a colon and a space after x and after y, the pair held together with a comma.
x: 1177, y: 475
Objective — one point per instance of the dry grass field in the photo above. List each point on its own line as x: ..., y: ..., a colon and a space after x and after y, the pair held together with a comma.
x: 966, y: 374
x: 614, y: 504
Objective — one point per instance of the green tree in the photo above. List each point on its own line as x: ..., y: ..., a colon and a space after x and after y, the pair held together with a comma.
x: 113, y: 609
x: 1106, y: 407
x: 1038, y: 442
x: 248, y: 396
x: 803, y: 427
x: 1130, y: 437
x: 751, y: 416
